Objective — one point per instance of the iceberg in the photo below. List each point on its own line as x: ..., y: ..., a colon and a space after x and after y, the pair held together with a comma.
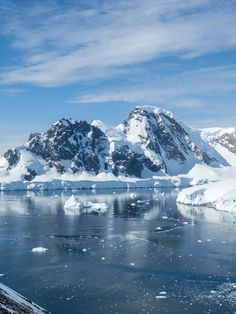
x: 219, y: 195
x: 73, y: 206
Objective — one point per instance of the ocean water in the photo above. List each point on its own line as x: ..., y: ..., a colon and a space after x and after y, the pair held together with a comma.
x: 145, y: 255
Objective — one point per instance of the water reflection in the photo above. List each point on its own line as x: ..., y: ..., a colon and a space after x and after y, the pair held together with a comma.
x: 121, y: 204
x: 120, y: 261
x: 207, y: 215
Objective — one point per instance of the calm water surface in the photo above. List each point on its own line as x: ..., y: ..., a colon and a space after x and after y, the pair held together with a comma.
x: 146, y: 255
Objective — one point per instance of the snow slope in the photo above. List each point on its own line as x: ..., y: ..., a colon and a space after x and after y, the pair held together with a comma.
x: 226, y: 137
x: 219, y: 195
x: 13, y: 303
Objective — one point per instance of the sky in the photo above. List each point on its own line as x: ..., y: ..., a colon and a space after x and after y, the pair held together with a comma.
x: 98, y: 59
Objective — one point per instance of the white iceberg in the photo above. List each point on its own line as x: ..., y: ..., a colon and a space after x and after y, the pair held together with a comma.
x: 73, y: 206
x: 219, y: 195
x: 39, y: 249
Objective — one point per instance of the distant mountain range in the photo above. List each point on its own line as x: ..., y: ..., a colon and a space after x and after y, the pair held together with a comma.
x: 150, y: 142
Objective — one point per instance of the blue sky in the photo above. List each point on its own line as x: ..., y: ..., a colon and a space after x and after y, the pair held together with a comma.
x: 98, y: 59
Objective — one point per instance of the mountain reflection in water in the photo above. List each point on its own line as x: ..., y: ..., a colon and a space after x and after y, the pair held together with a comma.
x: 146, y: 254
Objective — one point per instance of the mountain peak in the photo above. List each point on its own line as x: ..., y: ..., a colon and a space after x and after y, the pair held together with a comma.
x: 63, y: 122
x: 154, y: 109
x: 150, y: 142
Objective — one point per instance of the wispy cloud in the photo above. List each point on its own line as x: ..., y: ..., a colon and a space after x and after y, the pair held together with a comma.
x: 89, y: 40
x: 185, y: 89
x: 11, y: 91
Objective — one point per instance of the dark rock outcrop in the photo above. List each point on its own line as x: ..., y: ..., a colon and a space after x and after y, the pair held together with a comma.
x: 12, y: 157
x: 149, y: 142
x: 228, y: 141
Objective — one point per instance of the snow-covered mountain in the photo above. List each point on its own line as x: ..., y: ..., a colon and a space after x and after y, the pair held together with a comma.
x: 149, y: 143
x: 226, y: 137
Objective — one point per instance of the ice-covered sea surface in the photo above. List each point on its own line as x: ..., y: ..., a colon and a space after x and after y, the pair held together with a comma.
x: 144, y: 255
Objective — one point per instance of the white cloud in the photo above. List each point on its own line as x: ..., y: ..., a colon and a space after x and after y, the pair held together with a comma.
x: 184, y: 89
x: 65, y: 44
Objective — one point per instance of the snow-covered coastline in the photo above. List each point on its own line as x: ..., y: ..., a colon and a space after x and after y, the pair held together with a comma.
x: 219, y: 195
x: 13, y: 302
x: 198, y: 175
x: 150, y: 149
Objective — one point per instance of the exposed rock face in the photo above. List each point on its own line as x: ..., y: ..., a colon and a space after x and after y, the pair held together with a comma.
x: 223, y: 136
x: 12, y: 157
x: 126, y: 161
x: 160, y: 133
x: 30, y: 174
x: 228, y: 141
x: 76, y: 141
x: 148, y: 143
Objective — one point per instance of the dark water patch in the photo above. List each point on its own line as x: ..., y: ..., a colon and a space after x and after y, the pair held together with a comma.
x: 144, y: 256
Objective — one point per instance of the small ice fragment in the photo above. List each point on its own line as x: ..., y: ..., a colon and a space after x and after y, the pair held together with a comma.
x: 208, y: 240
x: 103, y: 258
x: 39, y: 249
x: 140, y: 201
x: 1, y: 275
x: 160, y: 297
x: 158, y: 228
x: 164, y: 217
x: 132, y: 264
x: 132, y: 195
x: 199, y: 241
x: 84, y: 250
x: 162, y: 293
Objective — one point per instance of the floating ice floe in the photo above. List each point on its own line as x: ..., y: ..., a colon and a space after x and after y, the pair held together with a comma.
x: 74, y: 207
x: 133, y: 195
x: 39, y: 249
